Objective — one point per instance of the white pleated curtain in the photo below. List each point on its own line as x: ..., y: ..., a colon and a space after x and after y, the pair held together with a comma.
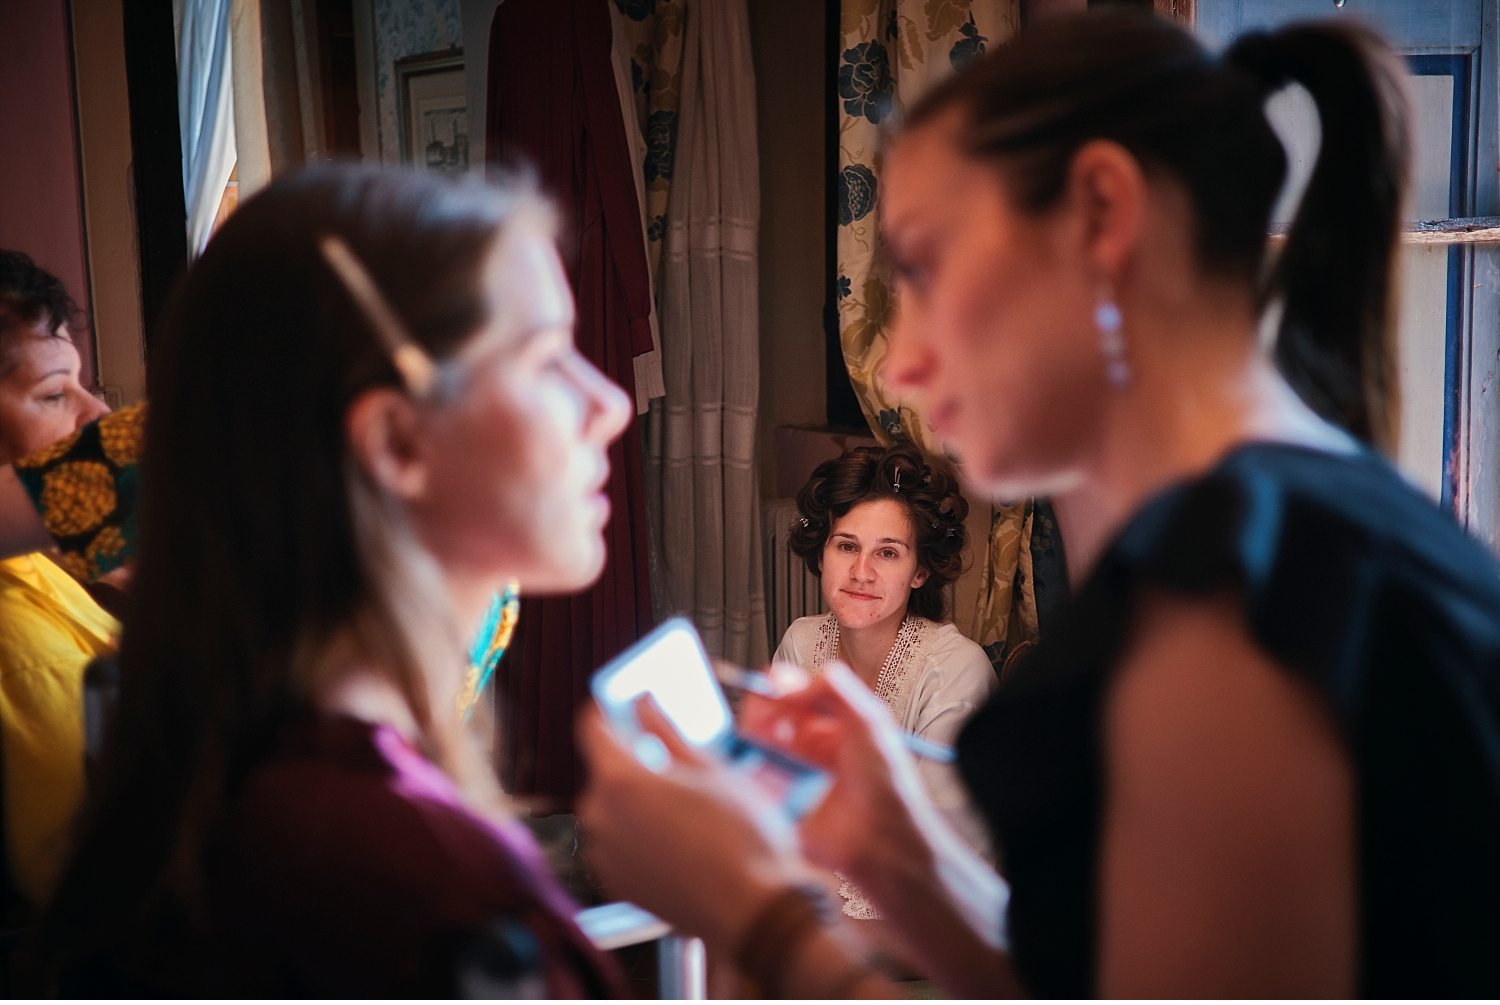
x: 702, y: 495
x: 205, y: 113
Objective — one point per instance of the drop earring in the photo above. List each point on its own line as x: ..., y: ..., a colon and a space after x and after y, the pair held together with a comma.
x: 1108, y: 321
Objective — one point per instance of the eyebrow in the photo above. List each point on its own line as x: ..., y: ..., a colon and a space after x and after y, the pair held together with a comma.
x: 543, y: 326
x: 478, y: 347
x: 883, y: 540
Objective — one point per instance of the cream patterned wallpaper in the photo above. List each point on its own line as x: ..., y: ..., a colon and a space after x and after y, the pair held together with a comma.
x: 407, y: 28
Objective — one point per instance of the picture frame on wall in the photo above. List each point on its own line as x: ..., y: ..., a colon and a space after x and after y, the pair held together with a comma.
x: 432, y: 111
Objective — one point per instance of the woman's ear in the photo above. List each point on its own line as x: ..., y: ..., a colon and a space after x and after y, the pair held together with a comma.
x: 919, y: 579
x: 1107, y: 187
x: 385, y: 434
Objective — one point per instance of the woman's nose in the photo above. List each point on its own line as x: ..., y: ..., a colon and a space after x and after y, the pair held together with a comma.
x: 609, y: 407
x: 89, y: 409
x: 908, y: 363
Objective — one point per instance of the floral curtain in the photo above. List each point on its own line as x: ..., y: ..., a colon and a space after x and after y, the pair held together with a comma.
x: 892, y: 51
x: 654, y: 38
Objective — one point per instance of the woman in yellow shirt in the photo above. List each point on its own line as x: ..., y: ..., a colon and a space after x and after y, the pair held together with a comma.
x: 50, y: 629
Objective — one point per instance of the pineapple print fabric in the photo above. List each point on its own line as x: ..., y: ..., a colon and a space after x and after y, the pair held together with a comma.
x: 85, y: 489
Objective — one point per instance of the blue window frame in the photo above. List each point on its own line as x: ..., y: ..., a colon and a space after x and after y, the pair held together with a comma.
x: 1456, y: 40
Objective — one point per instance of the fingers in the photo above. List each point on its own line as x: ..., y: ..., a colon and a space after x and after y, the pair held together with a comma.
x: 656, y: 723
x: 601, y: 746
x: 846, y: 695
x: 765, y: 719
x: 759, y: 713
x: 865, y: 722
x: 777, y: 720
x: 612, y: 756
x: 814, y: 721
x: 754, y: 712
x: 789, y: 678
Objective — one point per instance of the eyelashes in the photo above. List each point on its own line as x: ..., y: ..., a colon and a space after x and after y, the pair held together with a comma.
x: 849, y: 547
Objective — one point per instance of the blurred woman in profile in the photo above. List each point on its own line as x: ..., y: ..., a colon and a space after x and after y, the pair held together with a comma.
x: 1259, y: 753
x: 368, y: 414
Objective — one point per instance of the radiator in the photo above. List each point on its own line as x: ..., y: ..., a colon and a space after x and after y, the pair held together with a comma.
x: 791, y: 591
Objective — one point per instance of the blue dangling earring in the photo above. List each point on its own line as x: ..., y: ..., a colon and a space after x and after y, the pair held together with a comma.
x: 1108, y: 321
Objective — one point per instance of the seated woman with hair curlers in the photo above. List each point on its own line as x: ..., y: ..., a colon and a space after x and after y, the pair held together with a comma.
x: 883, y: 529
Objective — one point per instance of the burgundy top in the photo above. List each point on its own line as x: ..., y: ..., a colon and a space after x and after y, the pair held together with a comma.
x: 351, y: 868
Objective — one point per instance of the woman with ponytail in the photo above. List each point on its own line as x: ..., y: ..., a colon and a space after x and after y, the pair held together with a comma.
x: 1259, y: 754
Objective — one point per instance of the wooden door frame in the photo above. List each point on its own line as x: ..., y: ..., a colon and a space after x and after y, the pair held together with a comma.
x: 1184, y: 11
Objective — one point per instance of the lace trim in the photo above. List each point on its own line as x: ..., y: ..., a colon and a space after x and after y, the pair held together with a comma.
x: 856, y: 905
x: 826, y: 648
x: 893, y: 686
x: 894, y: 682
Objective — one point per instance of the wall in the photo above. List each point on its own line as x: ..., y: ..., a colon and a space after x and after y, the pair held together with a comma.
x: 40, y: 186
x: 476, y: 18
x: 788, y: 41
x: 108, y: 199
x: 409, y: 28
x: 1033, y: 9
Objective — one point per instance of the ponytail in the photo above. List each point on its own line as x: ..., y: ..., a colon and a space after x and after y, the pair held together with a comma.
x: 1334, y: 275
x: 1145, y: 83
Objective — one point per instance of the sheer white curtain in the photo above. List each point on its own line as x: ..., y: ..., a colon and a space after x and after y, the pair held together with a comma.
x: 205, y: 112
x: 701, y: 437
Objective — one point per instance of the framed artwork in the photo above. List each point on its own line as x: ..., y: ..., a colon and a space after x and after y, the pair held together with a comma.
x: 431, y: 111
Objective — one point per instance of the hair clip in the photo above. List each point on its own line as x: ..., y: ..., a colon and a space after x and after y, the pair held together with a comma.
x: 934, y: 525
x: 805, y: 522
x: 897, y: 486
x: 415, y: 367
x: 952, y: 531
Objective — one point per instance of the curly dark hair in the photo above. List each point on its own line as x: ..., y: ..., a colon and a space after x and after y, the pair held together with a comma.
x: 29, y: 293
x: 929, y: 493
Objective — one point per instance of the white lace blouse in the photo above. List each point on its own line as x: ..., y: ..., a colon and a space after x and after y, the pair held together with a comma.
x: 933, y: 680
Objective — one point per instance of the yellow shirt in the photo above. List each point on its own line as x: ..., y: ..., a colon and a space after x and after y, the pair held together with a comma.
x: 50, y: 629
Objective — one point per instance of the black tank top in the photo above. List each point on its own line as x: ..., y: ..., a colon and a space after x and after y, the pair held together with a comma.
x: 1350, y: 579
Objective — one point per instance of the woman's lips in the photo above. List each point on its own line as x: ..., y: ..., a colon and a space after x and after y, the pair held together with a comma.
x: 861, y: 596
x: 597, y: 496
x: 600, y: 503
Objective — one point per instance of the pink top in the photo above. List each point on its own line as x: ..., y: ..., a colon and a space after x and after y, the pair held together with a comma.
x: 350, y: 867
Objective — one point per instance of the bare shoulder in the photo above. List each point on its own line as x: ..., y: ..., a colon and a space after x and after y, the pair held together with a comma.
x: 1193, y: 678
x: 1228, y: 848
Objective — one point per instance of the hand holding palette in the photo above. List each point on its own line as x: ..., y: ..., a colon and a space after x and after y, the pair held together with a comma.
x: 671, y: 666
